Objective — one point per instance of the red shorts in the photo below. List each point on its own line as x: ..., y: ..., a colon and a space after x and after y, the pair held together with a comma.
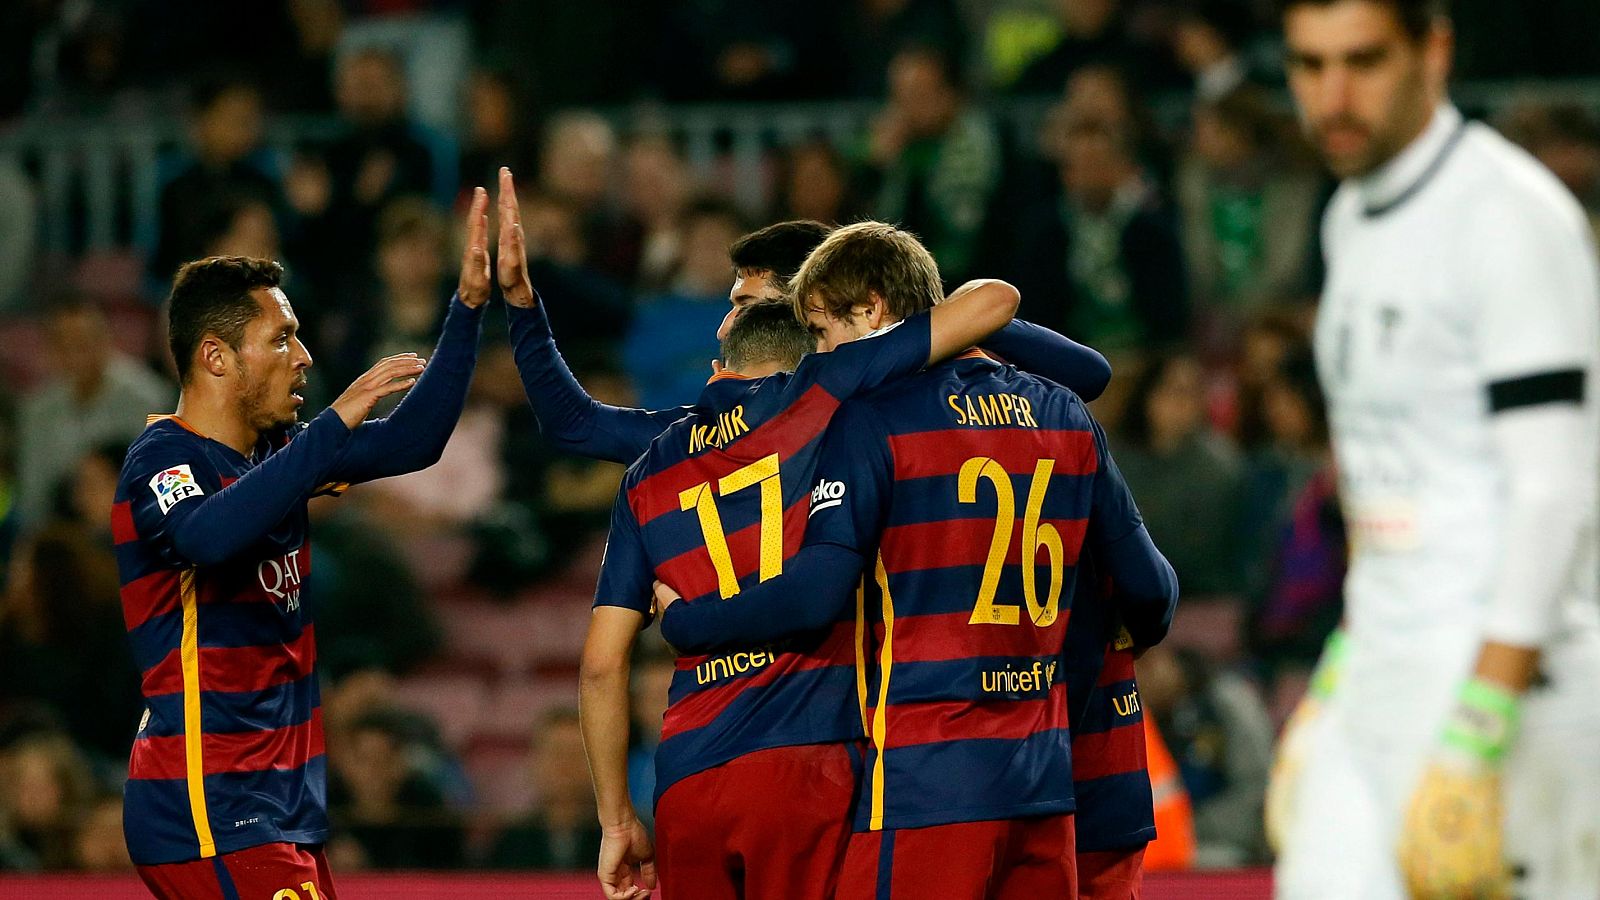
x: 770, y: 824
x: 1110, y: 874
x: 996, y: 860
x: 267, y: 872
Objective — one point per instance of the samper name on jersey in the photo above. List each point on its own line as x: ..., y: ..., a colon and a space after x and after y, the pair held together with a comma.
x: 992, y: 409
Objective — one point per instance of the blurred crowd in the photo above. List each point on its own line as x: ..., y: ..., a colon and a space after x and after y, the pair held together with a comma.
x: 451, y: 603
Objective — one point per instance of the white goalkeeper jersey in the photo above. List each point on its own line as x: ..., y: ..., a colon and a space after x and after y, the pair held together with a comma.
x: 1462, y: 282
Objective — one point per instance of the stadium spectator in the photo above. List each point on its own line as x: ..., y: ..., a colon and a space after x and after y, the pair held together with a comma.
x: 1186, y: 476
x: 669, y: 348
x: 62, y: 639
x: 577, y: 165
x: 242, y: 226
x: 1099, y: 257
x: 816, y: 185
x: 497, y: 131
x: 656, y: 188
x: 45, y: 786
x: 760, y: 50
x: 1209, y: 39
x: 1091, y: 32
x: 96, y: 395
x: 562, y: 831
x: 410, y: 268
x: 99, y: 846
x: 652, y: 678
x: 1292, y: 523
x: 587, y: 308
x: 869, y: 33
x: 1249, y: 211
x: 938, y: 158
x: 303, y: 81
x: 549, y: 46
x: 384, y: 800
x: 1218, y: 732
x: 84, y: 498
x: 228, y: 168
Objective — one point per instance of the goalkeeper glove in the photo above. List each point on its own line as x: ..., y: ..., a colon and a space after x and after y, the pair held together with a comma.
x: 1295, y: 744
x: 1451, y: 845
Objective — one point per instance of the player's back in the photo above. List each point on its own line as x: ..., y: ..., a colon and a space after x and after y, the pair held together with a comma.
x: 993, y: 474
x: 720, y: 499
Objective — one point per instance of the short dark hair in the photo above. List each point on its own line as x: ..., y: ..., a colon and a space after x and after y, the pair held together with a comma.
x: 1417, y: 17
x: 209, y: 92
x: 779, y: 248
x: 212, y: 296
x: 766, y: 331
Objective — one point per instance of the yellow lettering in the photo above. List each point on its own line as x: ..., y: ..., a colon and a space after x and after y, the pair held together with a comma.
x: 287, y: 894
x: 972, y: 412
x: 741, y: 662
x: 312, y: 889
x: 1026, y: 412
x: 991, y: 409
x: 961, y: 417
x: 738, y: 420
x: 1008, y: 403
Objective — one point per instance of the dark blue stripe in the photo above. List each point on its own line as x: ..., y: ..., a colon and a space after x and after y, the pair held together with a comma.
x: 954, y: 589
x: 1100, y: 713
x: 224, y: 880
x: 818, y: 706
x: 225, y: 712
x: 1115, y: 812
x: 886, y: 866
x: 973, y: 781
x: 250, y: 624
x: 247, y: 809
x: 957, y: 679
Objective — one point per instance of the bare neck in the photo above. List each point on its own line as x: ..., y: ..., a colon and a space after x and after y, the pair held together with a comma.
x: 218, y: 420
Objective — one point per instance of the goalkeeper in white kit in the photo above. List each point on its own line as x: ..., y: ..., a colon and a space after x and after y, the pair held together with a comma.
x: 1450, y: 746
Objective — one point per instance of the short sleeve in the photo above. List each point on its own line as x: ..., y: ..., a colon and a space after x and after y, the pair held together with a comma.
x: 1537, y: 301
x: 163, y: 480
x: 896, y: 351
x: 626, y: 576
x: 850, y: 498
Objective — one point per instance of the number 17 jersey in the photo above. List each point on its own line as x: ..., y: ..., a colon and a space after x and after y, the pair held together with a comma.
x: 718, y: 502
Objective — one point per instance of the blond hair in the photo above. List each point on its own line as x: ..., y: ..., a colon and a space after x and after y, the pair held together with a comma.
x: 868, y: 257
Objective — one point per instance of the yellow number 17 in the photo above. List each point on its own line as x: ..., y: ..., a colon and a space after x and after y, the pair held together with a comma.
x: 699, y: 498
x: 1034, y: 535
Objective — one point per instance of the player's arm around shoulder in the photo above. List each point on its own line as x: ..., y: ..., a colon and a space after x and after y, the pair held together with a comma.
x: 970, y: 315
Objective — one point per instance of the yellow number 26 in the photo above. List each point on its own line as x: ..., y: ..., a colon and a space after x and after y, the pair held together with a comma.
x: 1034, y: 535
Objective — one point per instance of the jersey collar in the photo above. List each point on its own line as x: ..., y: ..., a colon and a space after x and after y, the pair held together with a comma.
x: 1401, y: 178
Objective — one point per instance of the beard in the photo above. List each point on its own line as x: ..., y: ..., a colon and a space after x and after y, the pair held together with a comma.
x: 266, y: 410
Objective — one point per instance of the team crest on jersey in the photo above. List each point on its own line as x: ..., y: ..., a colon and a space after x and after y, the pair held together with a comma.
x: 825, y: 494
x: 173, y: 485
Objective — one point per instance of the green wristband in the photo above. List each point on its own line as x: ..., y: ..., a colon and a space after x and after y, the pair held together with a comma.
x: 1329, y: 665
x: 1484, y: 721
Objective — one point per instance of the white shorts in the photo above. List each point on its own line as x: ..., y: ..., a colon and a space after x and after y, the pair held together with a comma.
x: 1368, y: 749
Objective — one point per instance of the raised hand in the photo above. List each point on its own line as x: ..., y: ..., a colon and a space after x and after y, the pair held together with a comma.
x: 473, y: 288
x: 513, y: 261
x: 391, y: 375
x: 627, y: 867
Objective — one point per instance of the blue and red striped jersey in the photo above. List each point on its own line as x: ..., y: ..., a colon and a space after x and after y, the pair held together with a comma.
x: 1110, y: 776
x: 229, y: 754
x: 971, y: 488
x: 718, y: 503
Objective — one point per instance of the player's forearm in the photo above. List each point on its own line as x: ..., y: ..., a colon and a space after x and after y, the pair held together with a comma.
x: 812, y: 593
x: 1034, y: 348
x: 213, y: 529
x: 571, y: 418
x: 603, y: 712
x: 1543, y: 525
x: 413, y: 437
x: 971, y: 315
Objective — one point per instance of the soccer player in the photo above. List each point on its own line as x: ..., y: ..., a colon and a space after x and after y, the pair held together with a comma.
x: 946, y: 489
x: 753, y: 775
x: 1458, y: 342
x: 226, y: 791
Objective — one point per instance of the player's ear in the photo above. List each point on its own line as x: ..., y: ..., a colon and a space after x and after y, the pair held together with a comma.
x: 875, y: 310
x: 213, y: 355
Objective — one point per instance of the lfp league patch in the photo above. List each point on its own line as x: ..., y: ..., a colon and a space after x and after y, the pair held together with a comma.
x: 173, y: 485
